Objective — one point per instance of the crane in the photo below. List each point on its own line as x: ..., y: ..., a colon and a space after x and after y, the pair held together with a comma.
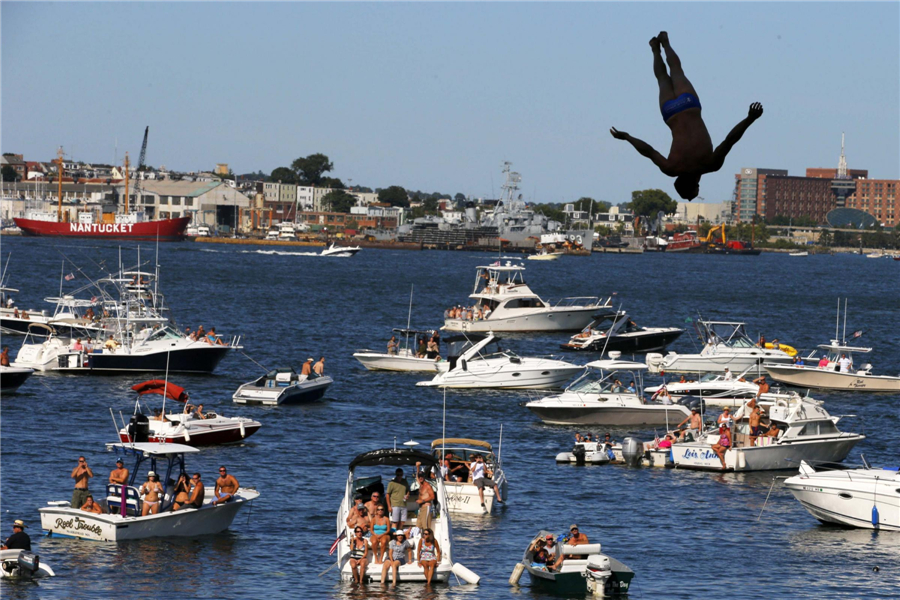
x: 140, y: 165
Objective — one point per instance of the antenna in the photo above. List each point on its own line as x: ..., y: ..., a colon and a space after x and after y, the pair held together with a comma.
x: 842, y: 162
x: 837, y: 321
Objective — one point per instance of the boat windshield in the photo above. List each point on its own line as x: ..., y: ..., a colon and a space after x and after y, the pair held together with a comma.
x: 709, y: 377
x: 730, y: 334
x: 491, y: 349
x: 164, y: 333
x: 594, y: 382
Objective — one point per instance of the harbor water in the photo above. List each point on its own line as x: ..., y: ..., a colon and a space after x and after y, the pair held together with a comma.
x: 685, y: 534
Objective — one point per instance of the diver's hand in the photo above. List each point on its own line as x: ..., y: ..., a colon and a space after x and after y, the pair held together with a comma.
x: 620, y: 135
x: 756, y: 111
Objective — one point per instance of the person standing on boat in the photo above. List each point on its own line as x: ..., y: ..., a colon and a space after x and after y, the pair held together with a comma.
x: 152, y: 490
x: 396, y: 495
x: 82, y: 474
x: 319, y: 367
x: 728, y: 375
x: 119, y: 475
x: 226, y: 486
x: 426, y: 497
x: 19, y: 540
x: 763, y: 386
x: 845, y: 364
x: 4, y: 356
x: 481, y: 477
x: 393, y: 345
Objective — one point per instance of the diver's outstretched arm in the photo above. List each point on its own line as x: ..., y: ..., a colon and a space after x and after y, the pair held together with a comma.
x: 755, y: 112
x: 644, y: 149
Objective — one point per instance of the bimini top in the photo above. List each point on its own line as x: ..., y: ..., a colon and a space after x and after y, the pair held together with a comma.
x: 460, y: 442
x: 474, y: 338
x: 151, y: 448
x: 507, y: 267
x: 392, y: 457
x: 617, y: 365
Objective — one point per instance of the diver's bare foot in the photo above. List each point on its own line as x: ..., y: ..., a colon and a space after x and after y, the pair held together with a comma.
x: 663, y: 38
x: 654, y: 44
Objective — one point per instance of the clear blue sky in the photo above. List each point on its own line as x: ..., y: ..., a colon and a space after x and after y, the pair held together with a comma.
x: 436, y: 96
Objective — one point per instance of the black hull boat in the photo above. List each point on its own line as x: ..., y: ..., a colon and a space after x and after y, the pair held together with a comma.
x: 617, y: 332
x: 632, y: 343
x: 203, y: 360
x: 11, y: 378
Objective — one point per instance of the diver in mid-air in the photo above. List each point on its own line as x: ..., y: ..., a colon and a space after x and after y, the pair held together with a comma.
x: 691, y: 154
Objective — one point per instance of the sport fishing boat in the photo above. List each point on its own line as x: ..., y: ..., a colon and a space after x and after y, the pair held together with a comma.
x: 503, y: 302
x: 586, y: 570
x: 341, y: 251
x: 599, y: 397
x: 12, y: 378
x: 282, y: 386
x: 403, y: 358
x: 462, y: 493
x: 805, y: 432
x: 829, y: 375
x: 184, y: 427
x: 122, y: 506
x: 617, y: 331
x: 478, y: 361
x: 863, y: 497
x: 14, y: 320
x: 22, y: 564
x: 719, y: 390
x: 727, y: 345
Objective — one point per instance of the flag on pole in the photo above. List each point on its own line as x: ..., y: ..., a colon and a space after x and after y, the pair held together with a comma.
x: 336, y: 542
x: 70, y: 277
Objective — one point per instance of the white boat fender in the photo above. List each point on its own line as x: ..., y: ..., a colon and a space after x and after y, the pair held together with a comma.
x: 742, y: 460
x: 465, y: 574
x: 518, y: 570
x: 243, y: 431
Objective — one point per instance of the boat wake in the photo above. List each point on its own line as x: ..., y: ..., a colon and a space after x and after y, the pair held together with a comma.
x: 279, y: 253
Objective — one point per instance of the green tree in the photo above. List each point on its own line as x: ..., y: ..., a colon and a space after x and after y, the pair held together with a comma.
x: 603, y: 230
x: 551, y: 211
x: 825, y: 238
x: 284, y: 175
x: 431, y: 206
x: 331, y: 182
x: 592, y: 206
x: 310, y: 170
x: 338, y: 201
x: 394, y: 195
x: 9, y: 174
x: 459, y: 197
x: 647, y: 203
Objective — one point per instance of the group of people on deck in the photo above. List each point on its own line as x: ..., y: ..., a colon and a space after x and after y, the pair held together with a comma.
x: 201, y: 335
x: 547, y: 551
x: 468, y: 313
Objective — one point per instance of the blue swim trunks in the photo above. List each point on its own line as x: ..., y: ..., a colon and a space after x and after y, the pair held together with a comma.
x: 682, y: 102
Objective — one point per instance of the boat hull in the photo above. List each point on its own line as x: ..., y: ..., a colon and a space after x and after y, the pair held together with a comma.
x: 813, y: 377
x: 392, y: 362
x: 574, y: 582
x: 295, y: 394
x: 822, y: 498
x: 698, y: 455
x: 631, y: 343
x: 220, y: 435
x: 12, y: 378
x: 164, y: 230
x: 716, y: 363
x: 510, y: 378
x: 613, y: 415
x: 203, y: 360
x: 464, y: 498
x: 564, y: 319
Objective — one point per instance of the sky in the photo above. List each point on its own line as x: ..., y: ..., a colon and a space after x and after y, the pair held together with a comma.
x: 434, y: 96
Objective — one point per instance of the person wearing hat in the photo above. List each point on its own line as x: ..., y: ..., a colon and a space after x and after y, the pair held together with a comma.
x: 82, y: 474
x: 576, y: 538
x: 119, y: 475
x: 725, y: 418
x: 19, y: 540
x: 152, y: 490
x: 399, y: 554
x: 307, y: 368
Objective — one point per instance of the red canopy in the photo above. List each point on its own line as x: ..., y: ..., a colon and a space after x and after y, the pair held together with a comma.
x: 158, y: 386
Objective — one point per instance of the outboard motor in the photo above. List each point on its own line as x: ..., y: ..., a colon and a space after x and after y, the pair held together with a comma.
x: 139, y: 428
x: 597, y: 573
x: 29, y: 564
x: 632, y: 451
x: 579, y: 453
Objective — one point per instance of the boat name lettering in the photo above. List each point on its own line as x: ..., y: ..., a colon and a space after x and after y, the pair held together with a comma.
x: 458, y: 498
x: 700, y: 454
x: 78, y: 525
x: 100, y: 227
x: 859, y: 383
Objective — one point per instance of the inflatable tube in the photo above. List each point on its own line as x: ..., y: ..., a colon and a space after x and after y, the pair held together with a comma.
x: 789, y: 350
x: 466, y: 575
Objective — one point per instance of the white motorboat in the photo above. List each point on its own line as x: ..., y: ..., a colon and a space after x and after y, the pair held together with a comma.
x: 12, y: 378
x: 402, y: 358
x: 14, y: 320
x: 717, y: 389
x: 799, y: 253
x: 504, y: 302
x: 600, y: 397
x: 727, y: 345
x: 183, y: 427
x: 340, y: 251
x: 545, y: 254
x: 617, y: 332
x: 586, y: 453
x: 22, y: 564
x: 806, y: 432
x: 41, y: 349
x: 121, y: 518
x: 286, y: 231
x: 462, y: 493
x: 272, y: 235
x: 282, y: 386
x: 478, y: 361
x: 865, y: 497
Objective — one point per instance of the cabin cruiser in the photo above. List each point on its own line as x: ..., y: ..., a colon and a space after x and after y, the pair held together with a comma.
x: 184, y: 427
x: 478, y: 361
x: 805, y: 432
x: 727, y: 345
x: 14, y: 320
x: 586, y: 569
x: 12, y: 378
x: 617, y: 331
x: 403, y: 357
x: 341, y: 251
x: 41, y: 349
x: 504, y: 302
x: 600, y: 397
x: 23, y: 564
x: 386, y: 461
x: 717, y: 389
x: 282, y: 386
x: 462, y: 493
x: 827, y: 373
x: 122, y: 506
x: 865, y: 497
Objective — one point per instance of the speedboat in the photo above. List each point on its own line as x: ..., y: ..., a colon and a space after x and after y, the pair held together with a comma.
x: 122, y: 506
x: 184, y: 427
x: 11, y: 378
x: 504, y: 302
x: 478, y: 361
x: 586, y: 453
x: 830, y: 376
x: 864, y: 497
x: 462, y: 495
x: 343, y: 251
x: 282, y: 386
x: 599, y: 397
x: 799, y: 253
x: 806, y: 432
x: 727, y: 345
x: 403, y: 359
x: 41, y: 349
x: 617, y: 331
x: 717, y: 389
x: 586, y: 570
x: 545, y: 254
x: 22, y: 564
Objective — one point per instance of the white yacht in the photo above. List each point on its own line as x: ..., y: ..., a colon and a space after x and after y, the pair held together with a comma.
x: 717, y: 389
x: 403, y: 357
x: 806, y: 432
x: 504, y: 302
x: 727, y: 345
x: 340, y: 251
x: 600, y: 397
x: 121, y: 518
x: 462, y: 494
x: 827, y: 374
x: 478, y: 361
x: 286, y: 231
x: 865, y: 497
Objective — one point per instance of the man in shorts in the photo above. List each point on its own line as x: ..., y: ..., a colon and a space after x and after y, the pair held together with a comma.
x: 481, y: 477
x: 397, y: 494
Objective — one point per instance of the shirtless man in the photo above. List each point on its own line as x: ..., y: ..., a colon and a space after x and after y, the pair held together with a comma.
x: 306, y: 370
x: 755, y: 430
x: 319, y: 367
x: 4, y: 356
x: 197, y: 494
x: 91, y: 506
x: 119, y: 475
x: 375, y: 501
x: 82, y: 474
x: 152, y: 490
x: 226, y: 487
x: 426, y: 497
x: 691, y: 154
x: 358, y: 517
x: 695, y: 426
x: 575, y: 539
x: 763, y: 386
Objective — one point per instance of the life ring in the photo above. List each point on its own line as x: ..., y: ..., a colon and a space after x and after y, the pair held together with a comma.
x: 789, y: 350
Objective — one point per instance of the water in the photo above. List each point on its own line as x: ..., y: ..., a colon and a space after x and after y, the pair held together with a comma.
x: 686, y: 534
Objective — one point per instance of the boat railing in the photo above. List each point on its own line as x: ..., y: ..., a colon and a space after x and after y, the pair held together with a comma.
x: 593, y: 301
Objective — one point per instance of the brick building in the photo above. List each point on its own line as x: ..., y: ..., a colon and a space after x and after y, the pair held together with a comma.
x: 878, y: 197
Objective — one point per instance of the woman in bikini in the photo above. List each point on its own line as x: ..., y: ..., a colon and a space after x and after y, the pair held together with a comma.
x: 429, y: 554
x: 381, y: 527
x: 152, y: 490
x: 359, y: 555
x: 182, y: 491
x: 723, y: 445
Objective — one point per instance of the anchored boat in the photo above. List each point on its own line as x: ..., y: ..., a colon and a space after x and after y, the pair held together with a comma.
x: 282, y: 386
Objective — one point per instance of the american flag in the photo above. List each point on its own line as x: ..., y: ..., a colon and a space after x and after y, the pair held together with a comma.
x: 657, y: 393
x: 856, y: 334
x: 336, y: 542
x: 70, y: 277
x: 657, y: 438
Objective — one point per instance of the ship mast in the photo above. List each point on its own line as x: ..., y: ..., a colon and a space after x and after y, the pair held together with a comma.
x: 126, y: 183
x: 59, y: 163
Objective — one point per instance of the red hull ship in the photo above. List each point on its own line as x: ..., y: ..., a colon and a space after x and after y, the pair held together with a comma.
x: 165, y: 230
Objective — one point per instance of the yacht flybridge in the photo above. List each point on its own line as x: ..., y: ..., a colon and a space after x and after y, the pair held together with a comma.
x: 504, y: 302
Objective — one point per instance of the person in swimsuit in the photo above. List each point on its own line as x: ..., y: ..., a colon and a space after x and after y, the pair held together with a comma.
x: 197, y: 494
x: 91, y: 506
x: 152, y: 490
x: 359, y: 555
x: 226, y: 487
x: 691, y: 154
x: 381, y: 527
x: 429, y: 554
x: 182, y: 491
x: 723, y: 445
x: 755, y: 428
x: 399, y: 554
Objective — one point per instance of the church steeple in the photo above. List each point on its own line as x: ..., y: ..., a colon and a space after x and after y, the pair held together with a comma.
x: 842, y: 163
